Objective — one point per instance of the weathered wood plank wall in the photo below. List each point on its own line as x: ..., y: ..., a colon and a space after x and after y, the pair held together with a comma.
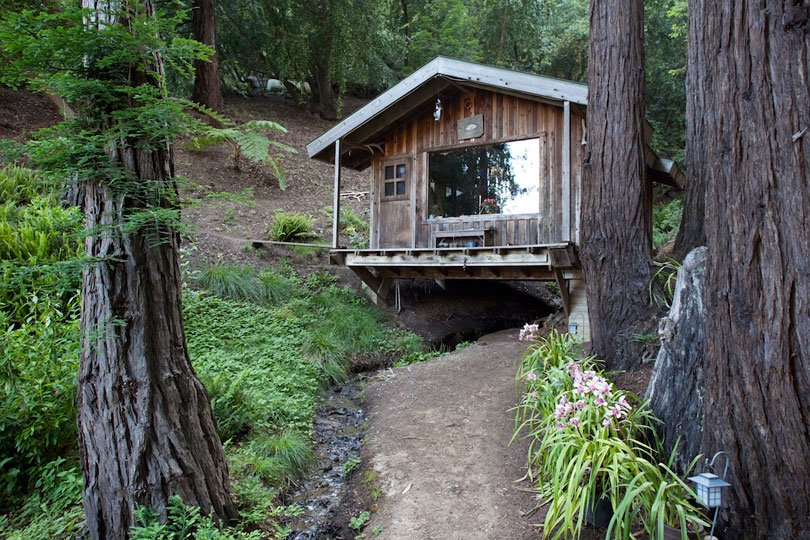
x: 506, y: 118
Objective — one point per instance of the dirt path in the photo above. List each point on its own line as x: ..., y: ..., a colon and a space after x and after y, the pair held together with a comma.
x: 437, y: 437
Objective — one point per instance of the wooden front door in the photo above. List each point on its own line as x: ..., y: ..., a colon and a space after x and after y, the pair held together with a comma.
x: 393, y: 200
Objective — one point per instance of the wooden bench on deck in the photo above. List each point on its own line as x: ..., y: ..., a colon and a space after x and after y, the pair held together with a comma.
x: 484, y: 235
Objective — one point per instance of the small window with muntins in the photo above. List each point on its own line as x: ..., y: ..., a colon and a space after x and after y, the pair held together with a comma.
x: 395, y: 180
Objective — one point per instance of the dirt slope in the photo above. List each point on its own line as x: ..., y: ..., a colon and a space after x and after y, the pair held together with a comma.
x: 438, y: 443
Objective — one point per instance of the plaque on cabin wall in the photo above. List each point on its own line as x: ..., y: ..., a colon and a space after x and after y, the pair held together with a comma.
x: 469, y: 128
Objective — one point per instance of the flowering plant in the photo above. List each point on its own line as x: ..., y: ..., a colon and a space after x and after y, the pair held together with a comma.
x: 529, y: 332
x: 489, y: 206
x: 592, y: 400
x: 588, y: 442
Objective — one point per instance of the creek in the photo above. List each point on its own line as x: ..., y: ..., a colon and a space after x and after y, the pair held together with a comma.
x: 338, y: 433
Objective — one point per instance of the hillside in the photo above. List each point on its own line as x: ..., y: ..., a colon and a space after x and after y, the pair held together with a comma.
x: 223, y: 225
x: 227, y: 207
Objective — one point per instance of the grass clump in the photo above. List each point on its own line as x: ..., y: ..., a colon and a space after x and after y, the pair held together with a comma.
x: 234, y: 282
x: 243, y: 283
x: 290, y: 227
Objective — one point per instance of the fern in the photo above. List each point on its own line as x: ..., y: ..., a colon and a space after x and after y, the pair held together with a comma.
x: 250, y: 141
x: 290, y: 227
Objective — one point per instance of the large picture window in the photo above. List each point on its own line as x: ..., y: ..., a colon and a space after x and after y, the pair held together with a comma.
x: 500, y: 178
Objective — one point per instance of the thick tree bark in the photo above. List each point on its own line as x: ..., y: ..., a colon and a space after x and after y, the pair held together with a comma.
x: 206, y: 74
x: 676, y: 388
x: 752, y: 61
x: 616, y: 243
x: 146, y: 428
x: 691, y: 233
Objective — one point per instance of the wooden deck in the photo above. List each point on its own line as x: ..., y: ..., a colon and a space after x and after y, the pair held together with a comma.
x: 379, y: 267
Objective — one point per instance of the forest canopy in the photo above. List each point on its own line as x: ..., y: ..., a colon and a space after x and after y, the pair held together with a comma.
x: 366, y: 46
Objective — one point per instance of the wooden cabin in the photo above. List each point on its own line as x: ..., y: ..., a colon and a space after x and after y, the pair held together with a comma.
x: 476, y: 173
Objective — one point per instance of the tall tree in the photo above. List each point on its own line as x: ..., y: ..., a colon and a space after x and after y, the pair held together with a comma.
x: 206, y: 72
x: 146, y: 427
x: 751, y: 121
x: 616, y: 236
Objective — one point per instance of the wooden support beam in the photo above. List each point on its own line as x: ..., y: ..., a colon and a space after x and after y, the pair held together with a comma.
x: 566, y: 173
x: 562, y: 284
x: 336, y: 203
x: 379, y: 286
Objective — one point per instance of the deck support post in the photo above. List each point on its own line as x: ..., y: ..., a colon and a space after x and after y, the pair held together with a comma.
x: 579, y: 307
x: 336, y: 203
x: 562, y: 285
x: 379, y: 288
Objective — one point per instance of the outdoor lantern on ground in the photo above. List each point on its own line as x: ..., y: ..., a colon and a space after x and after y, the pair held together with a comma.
x: 709, y: 487
x: 573, y: 328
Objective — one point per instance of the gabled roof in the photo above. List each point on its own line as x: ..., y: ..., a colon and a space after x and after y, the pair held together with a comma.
x: 419, y: 88
x: 410, y: 92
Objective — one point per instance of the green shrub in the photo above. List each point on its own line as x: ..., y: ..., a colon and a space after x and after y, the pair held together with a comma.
x: 666, y: 222
x: 232, y: 403
x: 19, y: 185
x: 39, y: 311
x: 356, y: 226
x: 290, y: 449
x: 53, y: 509
x: 184, y: 522
x: 290, y: 227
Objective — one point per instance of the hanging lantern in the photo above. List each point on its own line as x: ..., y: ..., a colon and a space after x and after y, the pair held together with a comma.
x: 709, y: 489
x: 437, y: 112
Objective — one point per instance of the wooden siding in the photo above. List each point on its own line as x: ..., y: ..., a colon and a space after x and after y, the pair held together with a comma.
x: 506, y: 118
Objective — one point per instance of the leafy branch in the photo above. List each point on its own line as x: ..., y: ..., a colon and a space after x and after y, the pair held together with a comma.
x: 249, y: 141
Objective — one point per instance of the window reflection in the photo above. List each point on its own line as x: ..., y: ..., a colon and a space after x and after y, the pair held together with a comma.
x: 496, y: 179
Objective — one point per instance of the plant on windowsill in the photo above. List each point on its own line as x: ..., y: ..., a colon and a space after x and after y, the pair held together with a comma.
x: 489, y: 206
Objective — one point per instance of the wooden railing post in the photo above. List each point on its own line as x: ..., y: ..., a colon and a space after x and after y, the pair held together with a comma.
x: 566, y: 173
x: 336, y: 204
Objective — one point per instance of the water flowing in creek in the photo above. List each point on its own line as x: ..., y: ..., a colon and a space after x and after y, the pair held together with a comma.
x: 338, y: 436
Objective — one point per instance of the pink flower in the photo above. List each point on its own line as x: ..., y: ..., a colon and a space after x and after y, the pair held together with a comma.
x: 580, y: 404
x: 575, y: 422
x: 623, y: 402
x: 534, y: 395
x: 568, y: 408
x: 532, y: 376
x: 606, y: 422
x: 600, y: 401
x: 560, y: 425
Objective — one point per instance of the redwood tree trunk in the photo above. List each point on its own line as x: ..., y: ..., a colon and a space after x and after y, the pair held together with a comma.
x: 146, y: 428
x: 616, y: 243
x: 206, y: 74
x: 691, y: 233
x: 752, y: 61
